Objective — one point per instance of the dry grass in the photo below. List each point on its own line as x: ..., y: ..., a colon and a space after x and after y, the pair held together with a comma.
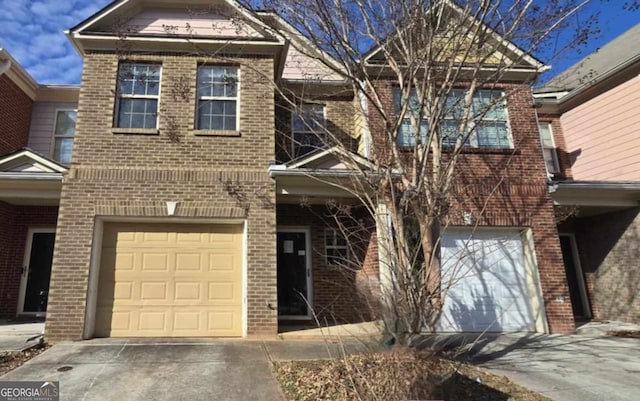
x: 624, y: 333
x: 10, y: 361
x: 394, y: 375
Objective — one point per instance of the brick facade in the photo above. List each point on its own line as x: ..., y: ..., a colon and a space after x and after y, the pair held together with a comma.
x: 15, y: 221
x: 507, y: 188
x: 15, y: 116
x: 609, y: 249
x: 340, y: 294
x: 339, y: 114
x: 126, y: 175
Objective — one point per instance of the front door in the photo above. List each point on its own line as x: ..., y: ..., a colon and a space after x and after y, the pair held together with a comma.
x: 37, y: 272
x: 575, y: 279
x: 293, y: 275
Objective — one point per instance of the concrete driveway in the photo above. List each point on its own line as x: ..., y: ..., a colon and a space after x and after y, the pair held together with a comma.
x: 566, y: 368
x: 155, y: 370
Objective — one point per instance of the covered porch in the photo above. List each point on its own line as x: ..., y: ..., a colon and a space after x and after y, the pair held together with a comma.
x: 599, y: 236
x: 30, y: 187
x: 327, y: 249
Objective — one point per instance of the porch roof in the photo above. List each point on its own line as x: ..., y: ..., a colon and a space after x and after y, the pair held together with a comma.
x: 325, y: 173
x: 29, y: 178
x: 596, y: 195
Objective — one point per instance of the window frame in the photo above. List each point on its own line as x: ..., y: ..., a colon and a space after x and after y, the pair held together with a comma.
x: 553, y: 149
x: 335, y: 247
x: 472, y: 141
x: 219, y: 98
x: 120, y: 96
x: 294, y: 114
x: 55, y: 137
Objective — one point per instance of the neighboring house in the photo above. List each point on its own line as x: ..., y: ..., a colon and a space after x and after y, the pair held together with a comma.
x: 590, y: 125
x: 36, y: 130
x: 187, y: 210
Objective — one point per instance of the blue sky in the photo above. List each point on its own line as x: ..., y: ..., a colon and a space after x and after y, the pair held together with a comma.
x: 32, y: 31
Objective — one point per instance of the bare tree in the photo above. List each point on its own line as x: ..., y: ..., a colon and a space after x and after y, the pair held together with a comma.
x: 442, y: 60
x: 423, y: 75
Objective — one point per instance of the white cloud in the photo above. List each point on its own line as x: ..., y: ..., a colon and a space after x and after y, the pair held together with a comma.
x: 32, y: 31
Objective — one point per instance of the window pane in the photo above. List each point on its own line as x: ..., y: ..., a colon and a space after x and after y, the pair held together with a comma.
x: 217, y: 115
x: 310, y: 117
x: 217, y: 81
x: 493, y: 135
x: 137, y: 113
x: 139, y: 79
x: 545, y: 135
x: 449, y: 132
x: 63, y: 149
x: 65, y: 123
x: 305, y: 143
x: 406, y: 136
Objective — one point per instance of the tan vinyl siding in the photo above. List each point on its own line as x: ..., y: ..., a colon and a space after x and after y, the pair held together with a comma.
x: 603, y: 135
x: 43, y: 121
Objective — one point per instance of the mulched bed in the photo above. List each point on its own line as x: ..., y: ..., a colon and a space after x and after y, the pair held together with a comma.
x: 624, y: 333
x: 394, y: 375
x: 12, y: 360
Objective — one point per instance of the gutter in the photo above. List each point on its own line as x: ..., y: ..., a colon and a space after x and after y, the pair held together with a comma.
x: 603, y: 186
x: 280, y: 170
x: 31, y: 176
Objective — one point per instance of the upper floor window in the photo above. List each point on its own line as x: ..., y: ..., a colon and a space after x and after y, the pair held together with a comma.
x: 488, y: 125
x: 406, y: 136
x: 549, y: 148
x: 65, y: 129
x: 138, y: 96
x: 308, y: 129
x: 217, y: 107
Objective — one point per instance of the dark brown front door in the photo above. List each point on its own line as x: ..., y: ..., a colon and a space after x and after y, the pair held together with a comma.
x: 575, y: 280
x: 38, y: 273
x: 293, y: 296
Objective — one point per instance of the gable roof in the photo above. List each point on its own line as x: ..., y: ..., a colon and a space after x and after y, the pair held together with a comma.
x: 621, y: 51
x: 531, y: 62
x: 118, y: 21
x: 18, y: 75
x: 33, y: 164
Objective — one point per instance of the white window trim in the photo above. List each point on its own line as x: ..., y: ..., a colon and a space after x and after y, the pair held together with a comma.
x: 553, y: 148
x: 334, y: 245
x: 52, y: 149
x: 472, y: 140
x: 294, y: 132
x: 116, y: 121
x: 236, y: 98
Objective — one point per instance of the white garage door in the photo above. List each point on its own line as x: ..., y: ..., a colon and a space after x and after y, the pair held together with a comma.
x: 488, y: 287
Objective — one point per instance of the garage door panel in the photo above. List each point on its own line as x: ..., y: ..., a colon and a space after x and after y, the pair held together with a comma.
x: 171, y: 283
x: 488, y: 286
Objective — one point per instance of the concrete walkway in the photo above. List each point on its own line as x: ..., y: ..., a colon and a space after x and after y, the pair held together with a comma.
x: 16, y: 337
x: 155, y: 370
x: 567, y: 368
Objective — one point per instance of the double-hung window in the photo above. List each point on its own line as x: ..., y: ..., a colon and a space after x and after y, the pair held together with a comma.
x: 406, y: 133
x: 336, y: 249
x: 217, y: 93
x: 490, y: 119
x: 65, y: 129
x: 487, y: 125
x: 138, y: 96
x: 549, y: 148
x: 309, y: 129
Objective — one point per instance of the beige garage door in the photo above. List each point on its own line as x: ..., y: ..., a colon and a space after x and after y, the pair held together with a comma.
x: 159, y: 280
